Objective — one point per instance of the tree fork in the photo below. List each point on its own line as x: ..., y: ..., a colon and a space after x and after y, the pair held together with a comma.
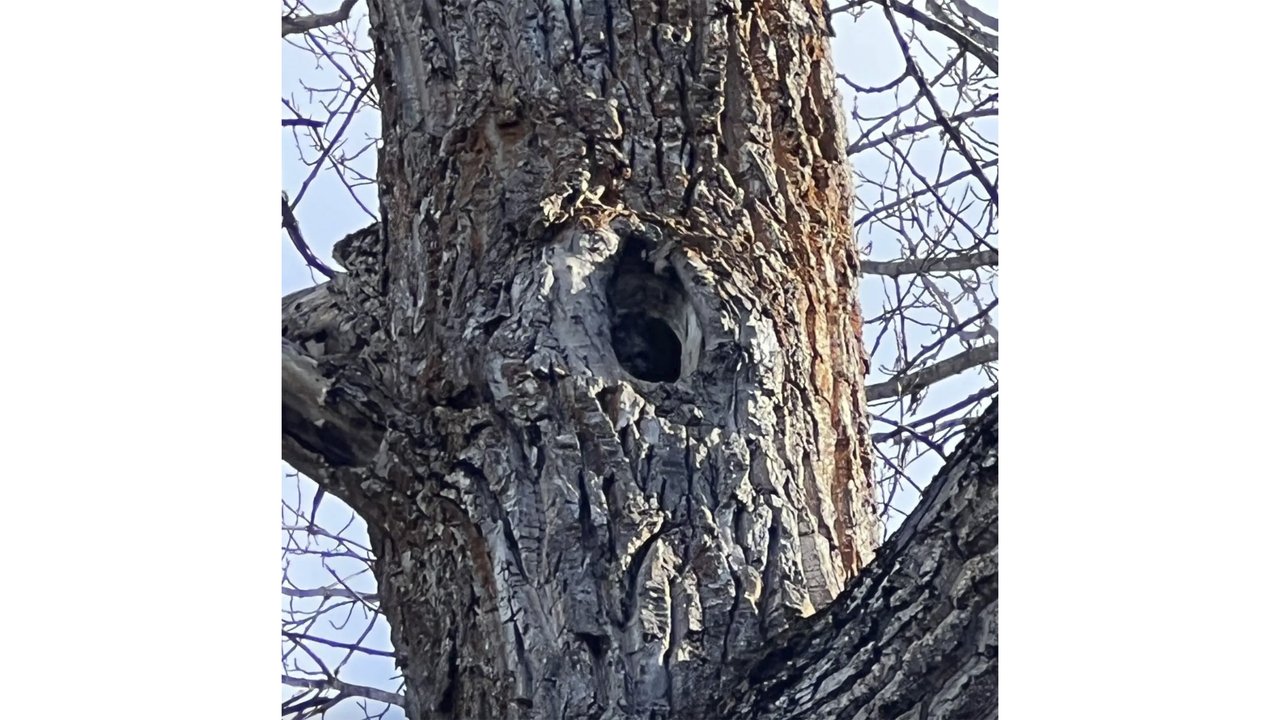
x: 915, y: 634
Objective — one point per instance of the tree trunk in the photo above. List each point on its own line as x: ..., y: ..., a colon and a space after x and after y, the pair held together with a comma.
x: 595, y: 381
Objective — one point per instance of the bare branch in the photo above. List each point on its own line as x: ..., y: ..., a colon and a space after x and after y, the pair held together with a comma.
x: 299, y: 638
x: 967, y: 18
x: 972, y: 13
x: 931, y: 189
x: 294, y: 25
x: 315, y: 530
x: 954, y: 365
x: 939, y: 114
x: 345, y: 689
x: 301, y: 122
x: 328, y: 148
x: 977, y: 112
x: 912, y: 266
x: 290, y: 223
x: 327, y: 593
x: 909, y: 428
x: 300, y: 706
x: 965, y: 43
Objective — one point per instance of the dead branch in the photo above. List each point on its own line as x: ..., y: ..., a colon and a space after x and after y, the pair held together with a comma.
x: 294, y: 25
x: 327, y: 593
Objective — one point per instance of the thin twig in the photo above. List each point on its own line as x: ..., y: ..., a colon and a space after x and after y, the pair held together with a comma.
x: 355, y: 107
x: 977, y: 111
x: 932, y: 189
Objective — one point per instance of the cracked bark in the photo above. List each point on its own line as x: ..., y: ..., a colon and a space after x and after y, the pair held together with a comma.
x: 557, y: 536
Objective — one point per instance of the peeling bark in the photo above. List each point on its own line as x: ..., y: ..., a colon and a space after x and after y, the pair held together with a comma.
x: 595, y: 381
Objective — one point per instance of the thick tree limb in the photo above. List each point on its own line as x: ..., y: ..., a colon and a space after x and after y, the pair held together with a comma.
x: 333, y: 417
x: 915, y: 634
x: 911, y: 266
x: 954, y: 365
x: 294, y: 25
x: 326, y: 425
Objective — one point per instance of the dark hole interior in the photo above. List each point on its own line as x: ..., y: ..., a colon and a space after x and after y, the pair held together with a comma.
x: 647, y: 348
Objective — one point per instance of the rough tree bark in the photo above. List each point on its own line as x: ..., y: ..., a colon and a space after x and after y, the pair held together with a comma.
x: 595, y: 381
x: 915, y: 634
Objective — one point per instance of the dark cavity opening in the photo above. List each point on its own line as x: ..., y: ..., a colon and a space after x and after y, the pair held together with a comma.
x: 647, y: 348
x: 655, y: 334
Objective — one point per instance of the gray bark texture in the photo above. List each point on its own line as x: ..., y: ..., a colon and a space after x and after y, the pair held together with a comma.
x: 595, y: 381
x: 915, y: 634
